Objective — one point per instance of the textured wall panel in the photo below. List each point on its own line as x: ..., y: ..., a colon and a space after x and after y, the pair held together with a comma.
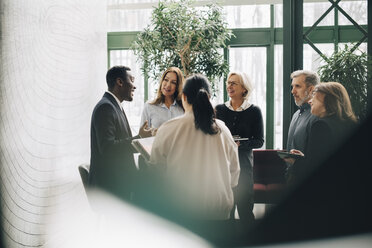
x: 53, y: 65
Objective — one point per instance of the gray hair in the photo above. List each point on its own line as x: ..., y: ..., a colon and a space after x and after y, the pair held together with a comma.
x: 245, y: 82
x: 311, y: 78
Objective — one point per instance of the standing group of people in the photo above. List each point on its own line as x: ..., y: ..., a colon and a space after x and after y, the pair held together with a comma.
x: 204, y: 154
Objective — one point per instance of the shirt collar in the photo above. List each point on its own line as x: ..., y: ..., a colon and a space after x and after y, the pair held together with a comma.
x: 242, y: 107
x: 304, y: 107
x: 173, y: 104
x: 116, y: 99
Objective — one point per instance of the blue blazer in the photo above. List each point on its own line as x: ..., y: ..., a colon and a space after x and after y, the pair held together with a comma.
x: 112, y: 164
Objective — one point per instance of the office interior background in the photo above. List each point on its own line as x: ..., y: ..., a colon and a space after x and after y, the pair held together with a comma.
x: 54, y: 57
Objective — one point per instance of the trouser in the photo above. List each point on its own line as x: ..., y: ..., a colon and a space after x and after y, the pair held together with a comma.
x: 243, y: 194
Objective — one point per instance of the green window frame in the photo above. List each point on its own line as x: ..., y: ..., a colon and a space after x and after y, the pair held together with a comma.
x: 258, y: 37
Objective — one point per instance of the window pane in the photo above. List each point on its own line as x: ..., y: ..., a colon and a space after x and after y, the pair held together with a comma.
x: 362, y: 47
x: 152, y: 88
x: 133, y: 109
x: 278, y: 97
x: 252, y: 60
x: 312, y: 59
x: 218, y: 97
x: 312, y: 12
x: 278, y: 10
x: 355, y: 9
x: 128, y: 20
x: 111, y: 2
x: 219, y: 86
x: 248, y: 16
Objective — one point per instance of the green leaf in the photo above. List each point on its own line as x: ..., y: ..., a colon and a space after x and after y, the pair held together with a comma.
x: 350, y: 69
x: 183, y: 36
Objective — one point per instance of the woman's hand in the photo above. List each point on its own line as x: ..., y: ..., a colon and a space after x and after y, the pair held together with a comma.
x: 145, y: 131
x: 154, y: 131
x: 293, y: 160
x: 294, y: 151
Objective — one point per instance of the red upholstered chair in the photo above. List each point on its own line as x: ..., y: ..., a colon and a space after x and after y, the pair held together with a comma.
x: 268, y: 175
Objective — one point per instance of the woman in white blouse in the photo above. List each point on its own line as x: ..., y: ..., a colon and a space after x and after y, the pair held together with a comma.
x: 198, y: 157
x: 167, y: 103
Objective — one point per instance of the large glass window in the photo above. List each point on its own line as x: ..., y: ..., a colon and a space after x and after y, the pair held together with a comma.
x: 251, y: 55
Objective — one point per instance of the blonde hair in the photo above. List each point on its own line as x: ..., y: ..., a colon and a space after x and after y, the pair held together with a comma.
x: 244, y: 81
x: 178, y: 93
x: 336, y: 100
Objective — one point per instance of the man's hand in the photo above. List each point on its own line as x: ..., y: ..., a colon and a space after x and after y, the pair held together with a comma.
x: 145, y: 131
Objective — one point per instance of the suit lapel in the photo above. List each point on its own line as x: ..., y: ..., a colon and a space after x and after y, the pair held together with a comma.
x: 127, y: 126
x: 121, y: 113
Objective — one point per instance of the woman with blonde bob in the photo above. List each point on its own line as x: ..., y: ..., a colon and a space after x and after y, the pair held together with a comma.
x: 331, y: 103
x: 245, y: 123
x: 168, y: 103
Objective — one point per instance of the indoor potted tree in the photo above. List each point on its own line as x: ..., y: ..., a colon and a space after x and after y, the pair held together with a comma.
x: 186, y: 37
x: 350, y: 69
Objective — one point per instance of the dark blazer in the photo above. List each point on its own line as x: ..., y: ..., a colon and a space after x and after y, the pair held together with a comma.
x: 112, y: 164
x: 326, y: 134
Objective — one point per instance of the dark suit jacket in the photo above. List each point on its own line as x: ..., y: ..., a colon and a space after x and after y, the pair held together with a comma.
x: 112, y: 164
x: 326, y: 134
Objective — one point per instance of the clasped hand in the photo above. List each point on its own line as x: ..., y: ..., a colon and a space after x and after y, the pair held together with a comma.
x: 146, y: 131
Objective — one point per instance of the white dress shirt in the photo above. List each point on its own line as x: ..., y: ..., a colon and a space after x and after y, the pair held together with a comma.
x: 116, y: 99
x: 201, y: 169
x: 242, y: 107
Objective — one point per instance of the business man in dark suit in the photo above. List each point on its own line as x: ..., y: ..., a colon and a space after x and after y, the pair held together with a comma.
x: 112, y: 166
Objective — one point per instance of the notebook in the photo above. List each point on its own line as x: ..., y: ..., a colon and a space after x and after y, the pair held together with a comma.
x: 144, y: 146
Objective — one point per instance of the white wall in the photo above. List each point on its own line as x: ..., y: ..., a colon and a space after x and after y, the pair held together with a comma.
x: 52, y: 72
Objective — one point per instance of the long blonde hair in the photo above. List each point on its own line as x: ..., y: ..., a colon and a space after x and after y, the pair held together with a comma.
x: 178, y: 93
x: 336, y: 100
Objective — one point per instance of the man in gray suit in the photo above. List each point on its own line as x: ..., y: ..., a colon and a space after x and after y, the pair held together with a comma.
x: 112, y: 166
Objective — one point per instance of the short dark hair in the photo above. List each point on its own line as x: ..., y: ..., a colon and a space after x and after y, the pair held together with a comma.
x: 115, y: 72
